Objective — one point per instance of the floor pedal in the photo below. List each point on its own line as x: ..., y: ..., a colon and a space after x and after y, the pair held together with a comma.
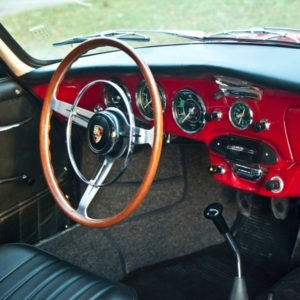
x: 280, y: 207
x: 245, y: 203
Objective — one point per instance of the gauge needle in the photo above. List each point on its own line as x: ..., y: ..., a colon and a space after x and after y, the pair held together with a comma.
x: 150, y: 101
x: 240, y: 116
x: 191, y: 111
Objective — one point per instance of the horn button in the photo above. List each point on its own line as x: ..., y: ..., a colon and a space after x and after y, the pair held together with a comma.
x: 101, y: 133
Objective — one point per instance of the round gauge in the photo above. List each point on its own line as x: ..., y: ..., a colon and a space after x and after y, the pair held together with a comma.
x: 188, y: 111
x: 112, y: 97
x: 240, y: 115
x: 144, y: 101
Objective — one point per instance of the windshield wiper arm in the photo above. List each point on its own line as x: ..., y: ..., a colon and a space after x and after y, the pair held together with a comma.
x: 270, y: 32
x: 134, y: 35
x: 117, y: 34
x: 188, y: 34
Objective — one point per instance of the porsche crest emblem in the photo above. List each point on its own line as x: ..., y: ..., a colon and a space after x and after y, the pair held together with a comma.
x: 97, y: 133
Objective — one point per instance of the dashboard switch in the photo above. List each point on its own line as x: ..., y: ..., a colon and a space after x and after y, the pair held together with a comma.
x: 215, y: 115
x: 262, y: 125
x: 220, y: 170
x: 275, y: 185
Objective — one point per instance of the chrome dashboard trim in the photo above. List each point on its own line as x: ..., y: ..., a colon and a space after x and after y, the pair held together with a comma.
x: 236, y: 88
x: 281, y: 184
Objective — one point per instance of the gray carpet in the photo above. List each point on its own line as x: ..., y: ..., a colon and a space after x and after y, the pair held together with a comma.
x: 168, y: 224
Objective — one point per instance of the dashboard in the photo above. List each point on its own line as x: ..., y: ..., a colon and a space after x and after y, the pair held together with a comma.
x: 250, y: 127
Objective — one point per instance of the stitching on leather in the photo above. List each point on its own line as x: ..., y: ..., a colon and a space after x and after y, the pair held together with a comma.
x: 62, y: 288
x: 83, y: 290
x: 19, y: 266
x: 101, y: 292
x: 49, y: 279
x: 36, y: 271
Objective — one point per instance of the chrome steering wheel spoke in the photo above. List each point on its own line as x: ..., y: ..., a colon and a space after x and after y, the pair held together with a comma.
x: 81, y: 115
x: 143, y: 136
x: 94, y: 185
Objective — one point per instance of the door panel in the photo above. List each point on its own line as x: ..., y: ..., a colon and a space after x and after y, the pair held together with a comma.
x: 28, y: 212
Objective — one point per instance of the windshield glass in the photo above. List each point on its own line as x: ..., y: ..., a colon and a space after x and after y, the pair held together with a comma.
x: 38, y: 24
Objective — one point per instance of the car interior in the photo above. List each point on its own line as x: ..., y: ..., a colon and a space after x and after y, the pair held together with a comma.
x: 160, y: 172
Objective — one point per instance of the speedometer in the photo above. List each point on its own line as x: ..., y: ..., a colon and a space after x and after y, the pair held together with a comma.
x: 144, y: 101
x: 188, y: 111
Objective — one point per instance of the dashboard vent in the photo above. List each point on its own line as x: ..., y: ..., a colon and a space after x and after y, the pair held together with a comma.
x: 236, y: 88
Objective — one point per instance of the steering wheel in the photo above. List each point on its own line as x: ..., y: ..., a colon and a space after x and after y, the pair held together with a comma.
x: 110, y: 135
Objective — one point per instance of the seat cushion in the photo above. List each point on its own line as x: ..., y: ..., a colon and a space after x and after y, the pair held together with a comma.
x: 27, y: 272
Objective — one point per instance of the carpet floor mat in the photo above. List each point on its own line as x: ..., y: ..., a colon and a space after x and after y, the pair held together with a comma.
x: 266, y: 245
x: 168, y: 224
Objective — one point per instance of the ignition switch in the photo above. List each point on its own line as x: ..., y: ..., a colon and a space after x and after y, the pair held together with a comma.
x: 215, y: 115
x: 212, y: 169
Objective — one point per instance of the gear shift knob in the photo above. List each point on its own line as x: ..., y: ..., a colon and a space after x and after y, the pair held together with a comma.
x: 214, y: 212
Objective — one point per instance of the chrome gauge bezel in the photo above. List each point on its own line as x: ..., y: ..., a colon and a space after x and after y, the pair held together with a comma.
x: 139, y: 102
x: 175, y: 113
x: 249, y: 110
x: 122, y: 86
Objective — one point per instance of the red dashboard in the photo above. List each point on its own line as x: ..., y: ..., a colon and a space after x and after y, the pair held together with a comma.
x: 280, y: 109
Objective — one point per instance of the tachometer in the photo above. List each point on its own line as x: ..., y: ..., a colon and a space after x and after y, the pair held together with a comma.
x: 240, y: 115
x: 112, y: 98
x: 188, y: 111
x: 144, y: 101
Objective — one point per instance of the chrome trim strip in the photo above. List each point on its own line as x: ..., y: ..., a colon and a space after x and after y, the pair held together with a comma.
x: 246, y: 169
x: 250, y: 90
x: 10, y: 179
x: 238, y: 88
x: 8, y: 127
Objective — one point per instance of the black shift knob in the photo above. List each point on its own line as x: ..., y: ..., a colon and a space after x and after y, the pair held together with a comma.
x: 272, y: 185
x: 214, y: 212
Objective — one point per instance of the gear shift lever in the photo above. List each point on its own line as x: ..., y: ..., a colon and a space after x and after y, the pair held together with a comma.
x: 214, y: 212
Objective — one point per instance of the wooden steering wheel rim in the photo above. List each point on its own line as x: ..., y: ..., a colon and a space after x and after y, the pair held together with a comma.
x: 46, y: 114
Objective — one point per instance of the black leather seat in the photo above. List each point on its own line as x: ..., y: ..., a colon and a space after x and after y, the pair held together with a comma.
x: 27, y: 272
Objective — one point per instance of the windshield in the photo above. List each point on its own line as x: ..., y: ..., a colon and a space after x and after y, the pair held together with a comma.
x: 38, y: 24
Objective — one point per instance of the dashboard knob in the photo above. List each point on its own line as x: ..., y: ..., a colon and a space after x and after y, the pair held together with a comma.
x: 212, y: 169
x: 274, y: 185
x: 215, y: 115
x: 219, y: 95
x: 28, y: 180
x: 262, y: 125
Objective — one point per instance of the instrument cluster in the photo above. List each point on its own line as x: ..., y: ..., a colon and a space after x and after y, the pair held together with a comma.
x: 249, y: 143
x: 188, y: 108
